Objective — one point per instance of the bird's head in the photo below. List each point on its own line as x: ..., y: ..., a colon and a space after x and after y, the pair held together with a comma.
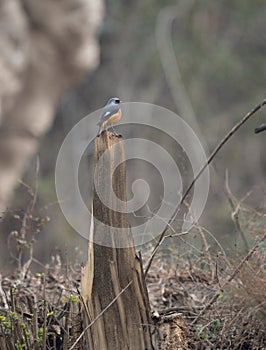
x: 114, y: 100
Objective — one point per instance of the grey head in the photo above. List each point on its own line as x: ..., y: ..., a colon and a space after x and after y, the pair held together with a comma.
x: 113, y: 100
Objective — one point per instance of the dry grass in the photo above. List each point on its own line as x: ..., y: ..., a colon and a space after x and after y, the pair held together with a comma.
x: 237, y: 320
x: 42, y: 311
x: 204, y: 302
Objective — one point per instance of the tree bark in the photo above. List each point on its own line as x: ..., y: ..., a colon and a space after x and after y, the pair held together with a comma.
x: 113, y: 283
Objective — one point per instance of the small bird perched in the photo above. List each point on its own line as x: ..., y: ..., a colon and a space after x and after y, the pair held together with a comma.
x: 111, y: 114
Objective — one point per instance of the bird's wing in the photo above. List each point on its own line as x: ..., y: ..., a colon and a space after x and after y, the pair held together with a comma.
x: 107, y: 112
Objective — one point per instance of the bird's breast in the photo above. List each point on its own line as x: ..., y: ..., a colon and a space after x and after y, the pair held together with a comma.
x: 115, y: 117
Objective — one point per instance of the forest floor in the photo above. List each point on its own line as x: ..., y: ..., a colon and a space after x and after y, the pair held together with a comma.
x: 195, y: 305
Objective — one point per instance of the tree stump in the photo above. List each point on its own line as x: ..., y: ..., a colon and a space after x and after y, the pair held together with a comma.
x: 116, y: 304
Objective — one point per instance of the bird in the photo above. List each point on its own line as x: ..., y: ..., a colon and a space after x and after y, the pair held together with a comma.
x: 110, y: 114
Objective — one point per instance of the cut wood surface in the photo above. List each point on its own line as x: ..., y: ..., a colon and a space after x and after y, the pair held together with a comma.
x: 112, y: 281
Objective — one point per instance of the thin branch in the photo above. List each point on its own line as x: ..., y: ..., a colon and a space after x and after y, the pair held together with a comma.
x: 100, y: 314
x: 35, y: 194
x: 221, y: 144
x: 209, y: 160
x: 215, y: 240
x: 235, y: 212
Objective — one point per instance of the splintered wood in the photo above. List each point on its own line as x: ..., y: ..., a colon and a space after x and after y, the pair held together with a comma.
x: 116, y: 308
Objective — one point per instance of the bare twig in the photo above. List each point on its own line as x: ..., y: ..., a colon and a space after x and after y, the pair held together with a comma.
x: 235, y: 212
x: 100, y: 314
x: 2, y: 339
x: 45, y: 310
x: 221, y: 144
x: 85, y: 306
x: 215, y: 240
x: 36, y: 184
x: 209, y: 160
x: 66, y: 333
x: 207, y: 249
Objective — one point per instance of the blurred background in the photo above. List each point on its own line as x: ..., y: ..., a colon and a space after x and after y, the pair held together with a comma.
x: 60, y: 61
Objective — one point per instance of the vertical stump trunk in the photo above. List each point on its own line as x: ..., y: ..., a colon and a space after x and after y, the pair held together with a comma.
x: 113, y: 284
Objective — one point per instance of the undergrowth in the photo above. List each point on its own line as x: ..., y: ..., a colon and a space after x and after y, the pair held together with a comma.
x: 221, y: 300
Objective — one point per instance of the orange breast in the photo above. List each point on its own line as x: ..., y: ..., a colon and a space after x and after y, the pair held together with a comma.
x: 114, y: 118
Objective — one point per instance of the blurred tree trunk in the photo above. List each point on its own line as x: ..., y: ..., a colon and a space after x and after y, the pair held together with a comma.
x: 45, y: 46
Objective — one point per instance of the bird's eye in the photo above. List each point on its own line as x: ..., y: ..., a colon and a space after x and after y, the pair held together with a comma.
x: 117, y: 100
